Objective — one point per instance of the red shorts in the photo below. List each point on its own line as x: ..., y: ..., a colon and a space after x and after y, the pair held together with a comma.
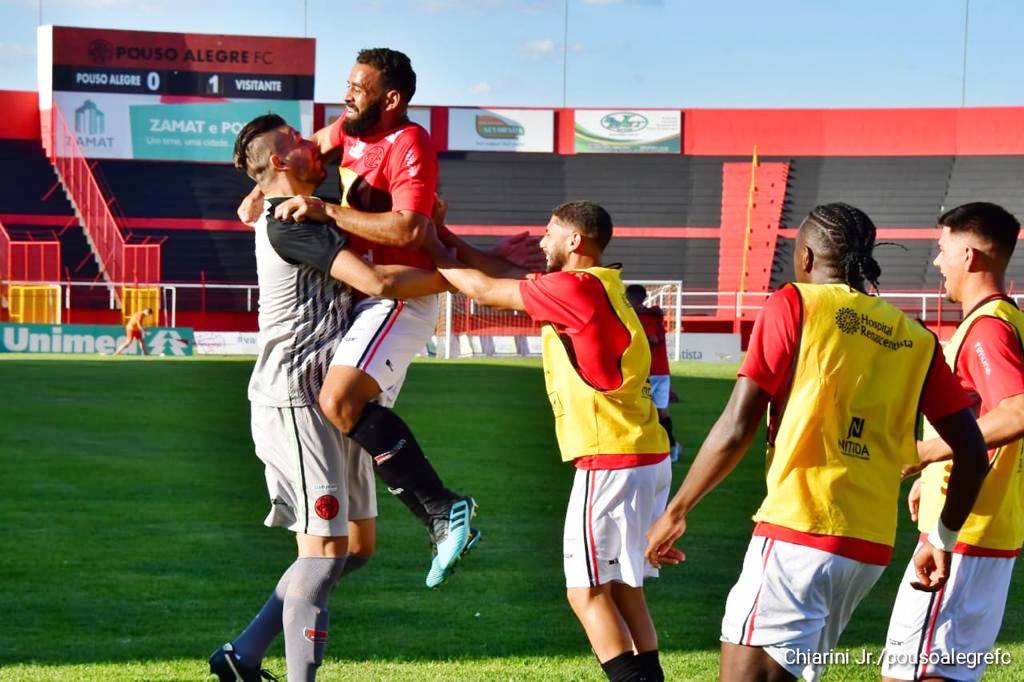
x: 134, y: 334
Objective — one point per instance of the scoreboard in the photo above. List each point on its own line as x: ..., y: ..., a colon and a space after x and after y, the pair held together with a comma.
x: 170, y: 96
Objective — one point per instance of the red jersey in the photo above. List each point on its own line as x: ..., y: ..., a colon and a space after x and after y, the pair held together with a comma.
x: 653, y: 321
x: 577, y: 305
x: 990, y: 366
x: 396, y: 171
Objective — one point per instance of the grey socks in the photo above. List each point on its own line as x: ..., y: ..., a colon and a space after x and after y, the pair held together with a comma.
x: 254, y: 641
x: 305, y: 615
x: 299, y: 606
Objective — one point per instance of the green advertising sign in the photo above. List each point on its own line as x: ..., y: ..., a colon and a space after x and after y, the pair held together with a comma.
x: 198, y: 131
x: 91, y: 338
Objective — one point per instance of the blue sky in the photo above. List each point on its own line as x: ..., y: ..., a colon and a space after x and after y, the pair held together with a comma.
x: 660, y: 53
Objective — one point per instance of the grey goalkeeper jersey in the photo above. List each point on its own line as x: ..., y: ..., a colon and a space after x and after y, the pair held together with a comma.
x: 303, y: 313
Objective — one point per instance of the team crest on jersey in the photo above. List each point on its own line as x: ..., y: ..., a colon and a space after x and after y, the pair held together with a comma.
x: 373, y: 156
x: 326, y: 507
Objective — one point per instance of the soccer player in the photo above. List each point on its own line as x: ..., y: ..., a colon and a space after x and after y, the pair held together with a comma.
x: 653, y: 321
x: 926, y: 631
x: 596, y: 364
x: 842, y: 375
x: 388, y: 185
x: 318, y: 490
x: 134, y: 331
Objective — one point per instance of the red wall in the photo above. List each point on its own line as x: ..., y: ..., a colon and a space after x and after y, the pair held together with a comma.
x: 21, y: 115
x: 853, y: 132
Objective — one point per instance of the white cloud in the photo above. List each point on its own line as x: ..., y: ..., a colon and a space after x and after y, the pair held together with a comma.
x: 481, y: 88
x: 539, y: 49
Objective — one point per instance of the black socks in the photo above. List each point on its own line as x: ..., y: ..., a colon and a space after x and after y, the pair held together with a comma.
x: 400, y: 462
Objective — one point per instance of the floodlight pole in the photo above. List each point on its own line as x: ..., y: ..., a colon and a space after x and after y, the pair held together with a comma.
x: 963, y: 69
x: 565, y: 53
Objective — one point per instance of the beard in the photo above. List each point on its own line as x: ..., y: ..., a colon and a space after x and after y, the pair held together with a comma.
x: 367, y: 119
x: 554, y: 262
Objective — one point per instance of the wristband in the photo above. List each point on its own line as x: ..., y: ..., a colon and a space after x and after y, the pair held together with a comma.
x: 942, y: 537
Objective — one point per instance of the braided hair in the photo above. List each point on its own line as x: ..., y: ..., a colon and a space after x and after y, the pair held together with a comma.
x: 848, y: 236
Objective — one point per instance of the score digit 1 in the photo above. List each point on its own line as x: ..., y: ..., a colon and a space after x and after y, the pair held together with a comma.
x: 213, y: 85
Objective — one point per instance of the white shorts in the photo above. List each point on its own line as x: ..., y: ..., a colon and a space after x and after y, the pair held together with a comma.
x: 929, y: 631
x: 659, y: 390
x: 607, y: 521
x: 385, y: 335
x: 317, y: 480
x: 793, y: 601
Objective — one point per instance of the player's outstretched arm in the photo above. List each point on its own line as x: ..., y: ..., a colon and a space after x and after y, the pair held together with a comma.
x: 521, y: 248
x: 1002, y: 425
x: 722, y: 450
x: 487, y: 290
x: 498, y: 293
x: 970, y: 464
x: 387, y: 281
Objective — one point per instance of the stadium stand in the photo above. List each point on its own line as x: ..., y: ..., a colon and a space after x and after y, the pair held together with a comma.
x: 674, y: 219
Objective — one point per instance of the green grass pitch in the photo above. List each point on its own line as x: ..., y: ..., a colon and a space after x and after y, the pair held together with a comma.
x: 131, y: 541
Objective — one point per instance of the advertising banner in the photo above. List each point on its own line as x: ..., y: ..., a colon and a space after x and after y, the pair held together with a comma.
x: 501, y: 130
x: 226, y: 343
x: 143, y: 127
x: 710, y: 347
x: 91, y: 338
x: 643, y: 131
x: 170, y: 96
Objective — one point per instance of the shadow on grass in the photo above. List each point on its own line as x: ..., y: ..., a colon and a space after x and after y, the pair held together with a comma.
x: 133, y: 504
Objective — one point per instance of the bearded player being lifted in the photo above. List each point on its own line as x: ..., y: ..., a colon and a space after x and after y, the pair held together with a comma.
x: 389, y: 177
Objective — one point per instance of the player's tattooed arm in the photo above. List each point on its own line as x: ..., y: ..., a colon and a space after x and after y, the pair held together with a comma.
x: 722, y: 450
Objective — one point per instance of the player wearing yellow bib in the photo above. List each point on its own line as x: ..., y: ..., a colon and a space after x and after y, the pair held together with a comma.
x: 926, y: 630
x: 842, y: 376
x: 596, y: 364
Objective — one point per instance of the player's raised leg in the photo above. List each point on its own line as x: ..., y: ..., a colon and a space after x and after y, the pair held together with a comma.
x: 370, y: 365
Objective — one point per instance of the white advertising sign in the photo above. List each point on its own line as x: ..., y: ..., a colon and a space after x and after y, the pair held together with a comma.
x: 710, y: 347
x: 646, y: 131
x: 501, y: 130
x: 226, y: 343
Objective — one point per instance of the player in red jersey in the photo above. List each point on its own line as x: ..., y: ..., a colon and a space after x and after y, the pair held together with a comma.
x: 653, y: 321
x: 822, y: 355
x: 927, y: 632
x: 388, y: 172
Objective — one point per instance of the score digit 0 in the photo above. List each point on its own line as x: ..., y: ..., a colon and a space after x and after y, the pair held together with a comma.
x: 153, y: 81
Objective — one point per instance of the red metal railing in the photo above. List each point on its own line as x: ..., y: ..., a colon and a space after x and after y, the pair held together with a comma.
x: 28, y: 261
x: 120, y: 262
